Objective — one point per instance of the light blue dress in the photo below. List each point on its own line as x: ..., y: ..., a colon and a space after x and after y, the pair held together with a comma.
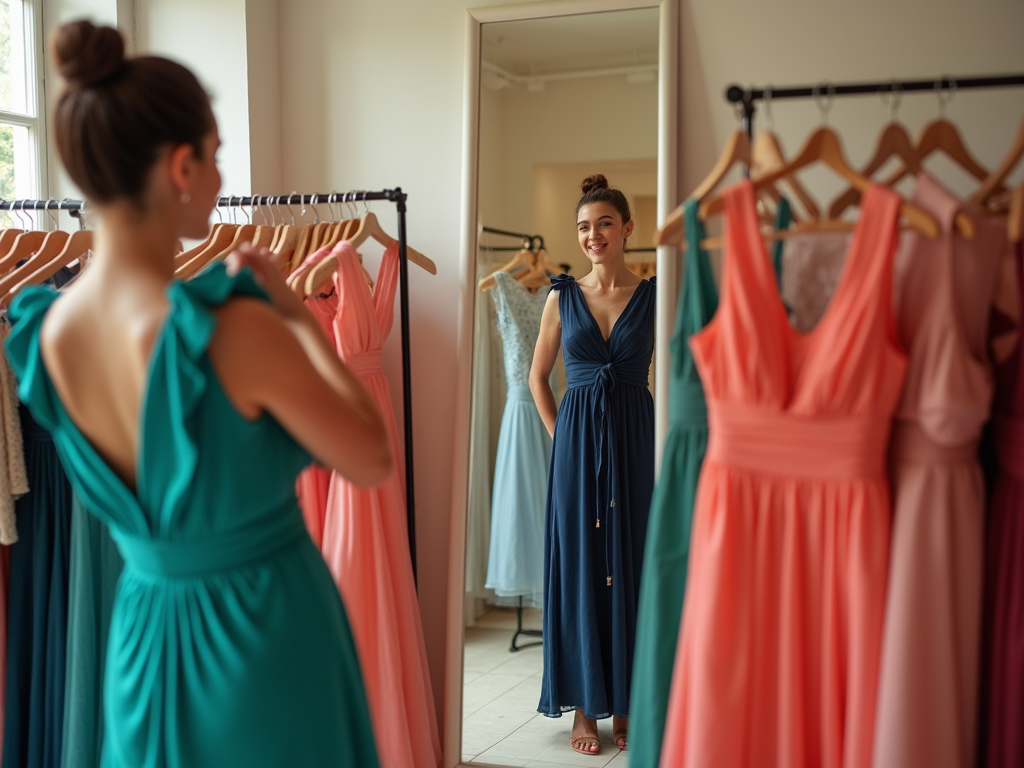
x: 515, y: 567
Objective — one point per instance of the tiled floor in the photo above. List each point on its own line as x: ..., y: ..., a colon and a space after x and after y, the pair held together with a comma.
x: 501, y: 724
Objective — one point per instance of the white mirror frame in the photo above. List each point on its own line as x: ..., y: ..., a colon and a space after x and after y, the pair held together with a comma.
x: 668, y: 267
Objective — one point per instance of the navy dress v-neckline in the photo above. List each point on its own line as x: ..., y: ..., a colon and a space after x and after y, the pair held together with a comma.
x: 599, y: 495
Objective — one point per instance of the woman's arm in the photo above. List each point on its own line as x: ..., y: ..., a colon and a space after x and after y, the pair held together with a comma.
x: 275, y: 358
x: 544, y: 356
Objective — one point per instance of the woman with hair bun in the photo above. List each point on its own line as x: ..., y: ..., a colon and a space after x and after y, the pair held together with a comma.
x: 182, y: 413
x: 602, y: 471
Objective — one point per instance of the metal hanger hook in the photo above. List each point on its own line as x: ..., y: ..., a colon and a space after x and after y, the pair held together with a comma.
x: 891, y: 98
x: 769, y: 119
x: 332, y: 199
x: 313, y: 204
x: 824, y: 101
x: 54, y: 217
x: 945, y: 89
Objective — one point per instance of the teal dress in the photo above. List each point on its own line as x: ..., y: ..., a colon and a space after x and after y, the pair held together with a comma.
x: 228, y: 643
x: 663, y: 581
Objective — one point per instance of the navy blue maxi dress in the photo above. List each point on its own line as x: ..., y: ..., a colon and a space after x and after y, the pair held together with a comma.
x: 599, y: 496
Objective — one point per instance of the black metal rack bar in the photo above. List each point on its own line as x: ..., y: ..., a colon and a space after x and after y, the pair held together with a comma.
x: 747, y: 97
x: 397, y: 196
x: 530, y: 242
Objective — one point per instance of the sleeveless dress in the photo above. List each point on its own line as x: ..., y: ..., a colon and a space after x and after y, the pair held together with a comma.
x: 95, y: 568
x: 366, y: 541
x: 37, y: 619
x: 928, y: 683
x: 778, y: 658
x: 229, y: 644
x: 663, y: 584
x: 599, y: 496
x: 314, y: 484
x: 515, y: 567
x: 1002, y: 736
x: 37, y: 611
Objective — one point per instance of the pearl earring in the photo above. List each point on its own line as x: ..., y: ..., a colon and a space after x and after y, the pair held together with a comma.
x: 186, y: 198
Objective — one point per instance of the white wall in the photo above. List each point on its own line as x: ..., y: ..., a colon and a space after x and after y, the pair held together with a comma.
x: 372, y: 96
x: 589, y: 120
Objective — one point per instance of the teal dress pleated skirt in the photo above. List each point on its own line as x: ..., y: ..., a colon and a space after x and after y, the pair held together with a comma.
x: 228, y: 642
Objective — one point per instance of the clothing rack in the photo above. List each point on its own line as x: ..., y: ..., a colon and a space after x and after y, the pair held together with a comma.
x: 530, y: 242
x: 746, y: 98
x: 396, y: 196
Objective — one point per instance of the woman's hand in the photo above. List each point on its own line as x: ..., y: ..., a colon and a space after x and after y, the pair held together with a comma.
x: 267, y: 271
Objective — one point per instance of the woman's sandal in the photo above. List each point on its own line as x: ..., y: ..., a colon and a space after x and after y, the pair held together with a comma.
x: 619, y: 733
x: 584, y: 743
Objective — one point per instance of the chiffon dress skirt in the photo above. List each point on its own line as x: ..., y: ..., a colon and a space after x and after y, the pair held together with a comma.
x: 515, y: 565
x: 1003, y: 683
x: 599, y: 496
x: 782, y: 622
x: 95, y: 568
x: 366, y: 540
x: 228, y: 643
x: 663, y: 584
x: 928, y: 687
x: 314, y: 484
x: 37, y: 611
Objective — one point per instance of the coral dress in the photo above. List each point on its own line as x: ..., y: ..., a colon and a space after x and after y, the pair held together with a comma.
x: 928, y: 686
x: 782, y: 622
x: 366, y: 541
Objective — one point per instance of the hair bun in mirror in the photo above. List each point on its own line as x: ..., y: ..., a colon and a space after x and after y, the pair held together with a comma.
x: 597, y: 181
x: 86, y: 54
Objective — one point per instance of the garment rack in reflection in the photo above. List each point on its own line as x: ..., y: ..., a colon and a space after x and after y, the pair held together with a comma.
x: 529, y: 242
x: 520, y: 631
x: 396, y: 196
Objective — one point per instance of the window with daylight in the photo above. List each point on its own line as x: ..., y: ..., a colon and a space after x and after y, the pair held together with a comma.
x: 22, y: 139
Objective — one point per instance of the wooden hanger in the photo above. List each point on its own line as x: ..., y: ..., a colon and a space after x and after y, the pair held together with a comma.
x: 736, y: 150
x: 7, y: 237
x: 894, y: 141
x: 521, y: 260
x: 1015, y: 221
x: 217, y: 251
x: 942, y: 135
x: 220, y: 235
x: 992, y: 184
x: 24, y: 245
x: 823, y: 146
x: 765, y: 157
x: 76, y: 245
x: 51, y: 245
x: 264, y: 236
x: 370, y: 227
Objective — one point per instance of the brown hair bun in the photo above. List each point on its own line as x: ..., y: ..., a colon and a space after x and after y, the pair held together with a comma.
x: 86, y: 54
x: 597, y: 181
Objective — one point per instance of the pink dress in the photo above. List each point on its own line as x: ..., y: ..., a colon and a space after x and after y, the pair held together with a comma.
x: 366, y: 540
x: 778, y: 658
x: 314, y: 484
x: 928, y: 686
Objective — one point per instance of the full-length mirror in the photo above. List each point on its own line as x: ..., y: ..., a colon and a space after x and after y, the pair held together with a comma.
x: 559, y: 98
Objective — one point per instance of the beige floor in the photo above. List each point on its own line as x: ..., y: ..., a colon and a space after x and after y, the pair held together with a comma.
x: 501, y: 724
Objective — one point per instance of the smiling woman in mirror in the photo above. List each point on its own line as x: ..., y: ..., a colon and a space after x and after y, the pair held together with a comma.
x: 602, y: 471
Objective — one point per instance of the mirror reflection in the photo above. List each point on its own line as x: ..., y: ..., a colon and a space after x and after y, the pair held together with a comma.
x: 561, y: 99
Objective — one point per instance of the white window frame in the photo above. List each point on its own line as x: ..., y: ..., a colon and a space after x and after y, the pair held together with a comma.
x: 35, y: 97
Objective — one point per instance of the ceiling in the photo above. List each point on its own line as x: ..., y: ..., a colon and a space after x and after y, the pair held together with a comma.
x: 572, y: 43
